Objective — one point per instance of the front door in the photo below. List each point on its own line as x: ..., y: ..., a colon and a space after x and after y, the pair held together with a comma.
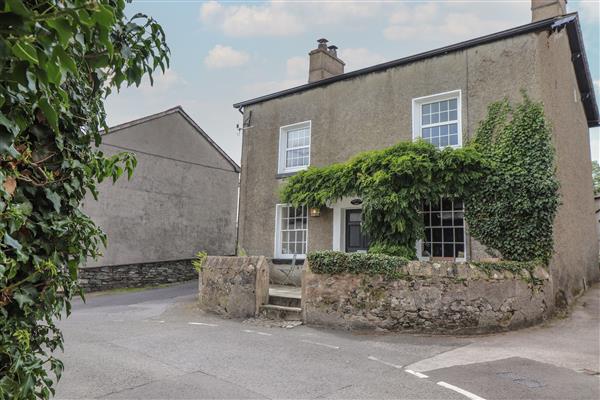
x: 356, y: 240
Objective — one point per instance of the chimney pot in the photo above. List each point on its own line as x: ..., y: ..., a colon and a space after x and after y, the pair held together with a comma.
x: 333, y: 50
x: 322, y: 43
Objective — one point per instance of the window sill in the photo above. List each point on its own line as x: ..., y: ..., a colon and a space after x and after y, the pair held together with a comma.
x: 288, y: 261
x: 283, y: 175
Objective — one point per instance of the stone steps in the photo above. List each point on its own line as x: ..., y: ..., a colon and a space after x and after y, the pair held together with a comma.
x: 284, y: 303
x: 276, y: 312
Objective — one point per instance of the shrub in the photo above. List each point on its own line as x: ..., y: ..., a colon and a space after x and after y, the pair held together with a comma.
x: 199, y: 261
x: 335, y: 262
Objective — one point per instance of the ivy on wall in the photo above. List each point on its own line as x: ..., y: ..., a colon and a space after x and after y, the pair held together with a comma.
x: 506, y: 176
x: 393, y: 184
x: 58, y: 62
x: 512, y: 211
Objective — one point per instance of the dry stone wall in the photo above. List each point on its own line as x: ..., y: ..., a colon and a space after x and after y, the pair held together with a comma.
x: 234, y: 286
x: 93, y: 279
x: 430, y: 297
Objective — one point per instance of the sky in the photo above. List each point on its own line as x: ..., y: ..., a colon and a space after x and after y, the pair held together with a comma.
x: 223, y: 52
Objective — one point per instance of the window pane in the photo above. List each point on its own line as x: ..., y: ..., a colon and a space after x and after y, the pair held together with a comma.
x: 435, y: 118
x: 452, y: 104
x: 293, y: 227
x: 426, y: 109
x: 425, y: 120
x: 444, y: 105
x: 435, y: 107
x: 443, y: 117
x: 444, y: 229
x: 453, y: 140
x: 452, y: 115
x: 426, y: 132
x: 435, y: 131
x: 443, y: 141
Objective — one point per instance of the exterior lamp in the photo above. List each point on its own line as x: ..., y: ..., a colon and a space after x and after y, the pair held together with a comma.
x: 315, y: 212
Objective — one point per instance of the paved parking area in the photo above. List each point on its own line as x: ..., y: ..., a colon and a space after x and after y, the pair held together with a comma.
x: 156, y: 344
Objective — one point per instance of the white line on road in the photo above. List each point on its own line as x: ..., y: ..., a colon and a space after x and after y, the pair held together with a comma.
x: 257, y: 332
x: 415, y: 373
x: 384, y: 362
x: 201, y: 323
x: 321, y: 344
x: 461, y: 391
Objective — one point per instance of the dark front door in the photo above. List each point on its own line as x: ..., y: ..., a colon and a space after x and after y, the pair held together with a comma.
x: 356, y: 240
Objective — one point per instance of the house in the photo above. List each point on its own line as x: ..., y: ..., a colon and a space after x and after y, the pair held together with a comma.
x: 439, y: 95
x: 181, y: 199
x: 597, y: 215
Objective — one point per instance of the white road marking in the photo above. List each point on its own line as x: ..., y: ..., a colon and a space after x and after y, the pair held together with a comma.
x: 201, y: 323
x: 257, y: 332
x: 321, y: 344
x: 384, y: 362
x: 461, y: 391
x: 415, y: 373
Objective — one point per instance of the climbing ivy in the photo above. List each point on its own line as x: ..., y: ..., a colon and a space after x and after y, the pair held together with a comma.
x: 59, y: 59
x: 393, y: 184
x: 512, y: 211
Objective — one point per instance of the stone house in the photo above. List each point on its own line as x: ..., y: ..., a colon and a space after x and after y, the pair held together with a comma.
x: 440, y: 96
x: 181, y: 199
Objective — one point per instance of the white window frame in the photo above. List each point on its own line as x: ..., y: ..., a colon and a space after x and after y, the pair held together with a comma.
x: 277, y: 251
x: 281, y: 168
x: 416, y: 113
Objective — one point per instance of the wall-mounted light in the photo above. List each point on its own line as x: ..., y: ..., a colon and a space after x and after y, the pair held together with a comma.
x: 315, y: 212
x: 356, y: 202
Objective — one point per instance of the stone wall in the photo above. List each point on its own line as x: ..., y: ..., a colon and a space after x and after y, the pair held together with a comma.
x: 93, y: 279
x: 431, y: 297
x: 234, y: 286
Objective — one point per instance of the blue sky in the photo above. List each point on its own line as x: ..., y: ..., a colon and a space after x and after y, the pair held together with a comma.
x: 223, y: 52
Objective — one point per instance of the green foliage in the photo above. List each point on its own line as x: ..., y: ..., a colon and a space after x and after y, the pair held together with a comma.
x: 199, y: 261
x: 596, y: 176
x: 58, y: 61
x: 393, y: 184
x: 335, y: 262
x: 516, y: 267
x: 513, y: 209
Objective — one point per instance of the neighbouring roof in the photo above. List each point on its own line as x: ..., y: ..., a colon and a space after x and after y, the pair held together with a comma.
x: 176, y: 110
x: 569, y: 21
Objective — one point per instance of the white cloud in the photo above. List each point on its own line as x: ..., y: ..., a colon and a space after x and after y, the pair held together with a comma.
x: 279, y: 18
x: 357, y: 58
x: 452, y: 21
x: 225, y: 57
x: 163, y: 83
x: 589, y: 10
x: 256, y: 20
x: 297, y: 67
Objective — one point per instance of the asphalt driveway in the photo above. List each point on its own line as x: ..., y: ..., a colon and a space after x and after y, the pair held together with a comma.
x: 156, y: 344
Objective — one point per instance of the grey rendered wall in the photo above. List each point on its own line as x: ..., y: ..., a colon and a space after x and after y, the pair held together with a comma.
x: 173, y: 207
x: 368, y: 112
x: 575, y: 262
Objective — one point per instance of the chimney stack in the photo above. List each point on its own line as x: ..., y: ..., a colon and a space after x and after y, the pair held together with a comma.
x: 543, y: 9
x: 324, y: 62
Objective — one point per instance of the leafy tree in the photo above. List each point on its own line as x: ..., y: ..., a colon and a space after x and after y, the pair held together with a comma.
x: 393, y: 184
x: 513, y: 209
x: 59, y: 59
x: 596, y: 176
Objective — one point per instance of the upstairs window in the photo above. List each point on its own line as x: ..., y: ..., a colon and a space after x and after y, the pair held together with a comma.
x: 436, y: 119
x: 294, y: 147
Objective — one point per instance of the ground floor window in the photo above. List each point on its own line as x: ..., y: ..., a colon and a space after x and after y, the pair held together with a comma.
x: 444, y: 229
x: 291, y: 231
